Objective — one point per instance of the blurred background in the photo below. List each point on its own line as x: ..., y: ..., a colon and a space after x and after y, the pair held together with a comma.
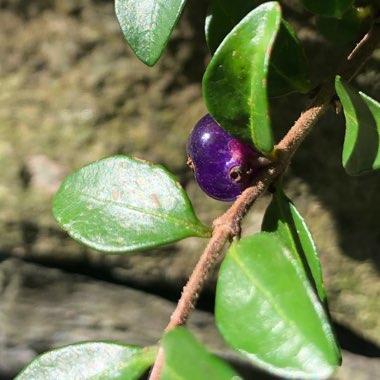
x: 71, y: 92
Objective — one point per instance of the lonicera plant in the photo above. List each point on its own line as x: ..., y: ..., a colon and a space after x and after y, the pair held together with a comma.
x: 270, y: 302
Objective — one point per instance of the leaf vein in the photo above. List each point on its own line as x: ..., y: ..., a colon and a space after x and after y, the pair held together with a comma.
x: 177, y: 221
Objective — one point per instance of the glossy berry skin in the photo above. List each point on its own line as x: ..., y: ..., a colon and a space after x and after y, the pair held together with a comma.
x: 223, y: 165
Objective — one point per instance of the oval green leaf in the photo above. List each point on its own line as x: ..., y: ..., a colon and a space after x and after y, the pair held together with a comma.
x: 361, y: 148
x: 122, y: 204
x: 147, y: 25
x: 288, y: 67
x: 235, y: 81
x: 223, y: 16
x: 267, y: 310
x: 187, y: 359
x: 283, y: 219
x: 332, y: 8
x: 91, y: 360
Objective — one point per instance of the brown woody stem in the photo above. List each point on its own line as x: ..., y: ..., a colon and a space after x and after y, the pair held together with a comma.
x: 227, y: 226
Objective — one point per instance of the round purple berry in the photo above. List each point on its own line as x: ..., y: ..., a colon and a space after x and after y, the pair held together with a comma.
x: 223, y: 165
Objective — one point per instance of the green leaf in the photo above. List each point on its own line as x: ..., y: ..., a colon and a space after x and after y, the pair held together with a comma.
x: 223, y: 16
x: 122, y: 204
x: 333, y: 8
x: 147, y: 25
x: 288, y: 69
x: 282, y: 218
x: 288, y: 66
x: 361, y: 148
x: 267, y: 310
x: 235, y: 82
x: 91, y: 360
x: 187, y: 359
x: 344, y: 30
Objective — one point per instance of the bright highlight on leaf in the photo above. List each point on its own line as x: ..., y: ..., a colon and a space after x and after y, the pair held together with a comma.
x: 282, y: 218
x: 235, y: 82
x: 122, y: 204
x: 148, y: 24
x: 267, y: 310
x: 361, y: 148
x: 89, y: 361
x: 187, y: 359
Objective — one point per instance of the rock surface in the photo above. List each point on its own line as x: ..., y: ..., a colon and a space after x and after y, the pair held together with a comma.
x: 43, y: 308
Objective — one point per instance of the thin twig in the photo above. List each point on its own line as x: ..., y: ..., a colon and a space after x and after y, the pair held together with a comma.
x: 194, y: 285
x: 227, y: 226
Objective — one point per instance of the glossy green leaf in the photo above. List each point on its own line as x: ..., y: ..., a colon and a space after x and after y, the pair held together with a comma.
x: 148, y: 24
x: 187, y: 359
x: 223, y: 16
x: 333, y: 8
x: 288, y: 66
x: 235, y: 81
x: 282, y: 218
x: 122, y: 204
x: 361, y: 148
x: 267, y: 310
x: 91, y: 361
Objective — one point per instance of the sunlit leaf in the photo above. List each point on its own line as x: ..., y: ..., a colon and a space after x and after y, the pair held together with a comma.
x: 361, y: 148
x: 267, y: 310
x: 282, y: 218
x: 235, y: 82
x: 122, y: 204
x: 288, y: 68
x: 91, y: 361
x: 148, y: 24
x: 187, y: 359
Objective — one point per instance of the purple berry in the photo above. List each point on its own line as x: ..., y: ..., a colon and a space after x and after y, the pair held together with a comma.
x: 223, y: 165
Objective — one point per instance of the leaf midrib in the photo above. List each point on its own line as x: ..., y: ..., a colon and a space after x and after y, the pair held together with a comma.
x: 174, y: 373
x: 293, y: 248
x: 147, y: 358
x: 269, y: 297
x: 180, y: 222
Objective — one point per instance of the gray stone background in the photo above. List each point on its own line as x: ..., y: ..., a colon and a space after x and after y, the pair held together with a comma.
x: 72, y: 92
